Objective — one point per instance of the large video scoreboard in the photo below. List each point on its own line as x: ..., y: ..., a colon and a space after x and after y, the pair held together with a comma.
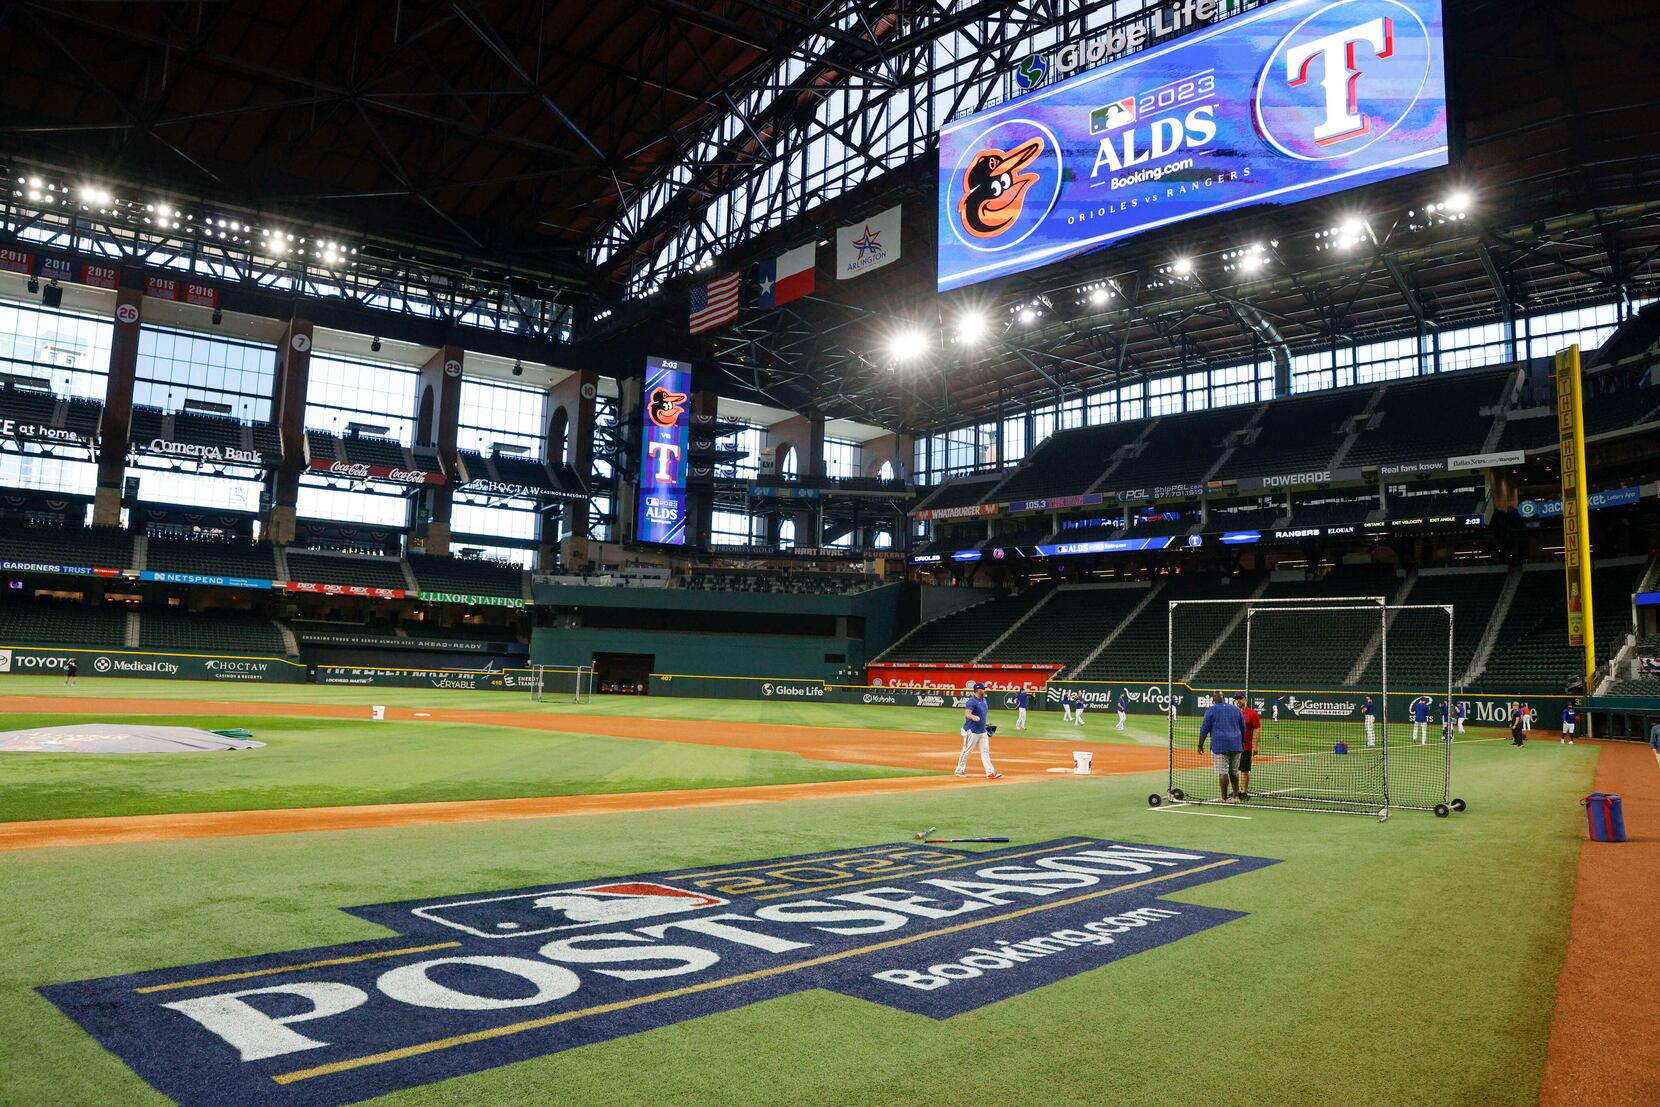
x: 1296, y: 99
x: 661, y: 510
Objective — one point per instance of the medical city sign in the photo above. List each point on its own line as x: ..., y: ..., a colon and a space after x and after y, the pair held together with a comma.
x: 1293, y: 100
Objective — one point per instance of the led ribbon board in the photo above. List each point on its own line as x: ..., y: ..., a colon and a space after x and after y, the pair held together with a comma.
x: 662, y: 500
x: 472, y: 981
x: 1294, y: 100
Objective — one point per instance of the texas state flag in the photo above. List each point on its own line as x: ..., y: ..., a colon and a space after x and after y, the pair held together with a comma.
x: 788, y: 276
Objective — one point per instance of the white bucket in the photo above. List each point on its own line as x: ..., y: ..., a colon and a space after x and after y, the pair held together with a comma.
x: 1080, y: 762
x: 378, y: 711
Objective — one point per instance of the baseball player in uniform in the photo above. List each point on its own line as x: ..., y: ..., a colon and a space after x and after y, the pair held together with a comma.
x: 975, y: 732
x: 1022, y: 700
x: 1077, y: 709
x: 1066, y: 707
x: 1420, y: 721
x: 1459, y: 711
x: 1570, y: 717
x: 1123, y: 709
x: 1369, y: 710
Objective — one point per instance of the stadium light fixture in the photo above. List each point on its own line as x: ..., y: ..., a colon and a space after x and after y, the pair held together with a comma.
x: 1182, y: 267
x: 1028, y: 315
x: 971, y: 326
x: 1458, y: 202
x: 906, y: 344
x: 1099, y: 296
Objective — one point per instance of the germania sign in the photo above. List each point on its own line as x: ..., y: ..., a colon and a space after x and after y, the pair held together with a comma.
x: 475, y: 981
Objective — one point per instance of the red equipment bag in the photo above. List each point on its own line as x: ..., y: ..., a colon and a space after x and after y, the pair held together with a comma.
x: 1604, y: 816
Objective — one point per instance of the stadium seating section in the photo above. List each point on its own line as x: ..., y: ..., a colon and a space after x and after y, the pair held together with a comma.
x: 365, y: 571
x: 61, y: 624
x: 1531, y: 649
x: 220, y: 632
x: 369, y: 449
x: 961, y: 635
x: 957, y: 493
x: 1139, y: 653
x: 104, y: 547
x: 1179, y: 450
x: 215, y: 556
x: 1069, y: 462
x: 1069, y: 627
x: 1297, y: 435
x: 1425, y: 419
x: 467, y: 576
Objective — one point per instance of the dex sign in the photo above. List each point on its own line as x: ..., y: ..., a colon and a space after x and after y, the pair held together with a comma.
x: 1294, y: 100
x: 662, y: 501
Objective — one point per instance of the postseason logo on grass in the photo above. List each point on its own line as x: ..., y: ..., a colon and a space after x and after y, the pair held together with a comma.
x: 471, y: 982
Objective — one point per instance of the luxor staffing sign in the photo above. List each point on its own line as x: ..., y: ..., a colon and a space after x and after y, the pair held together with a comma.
x: 662, y: 501
x: 1297, y: 99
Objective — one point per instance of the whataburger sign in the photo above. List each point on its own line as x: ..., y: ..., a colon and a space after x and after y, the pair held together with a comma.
x: 473, y: 981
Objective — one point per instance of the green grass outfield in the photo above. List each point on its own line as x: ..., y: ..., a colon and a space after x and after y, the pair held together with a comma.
x: 1408, y: 962
x: 312, y: 762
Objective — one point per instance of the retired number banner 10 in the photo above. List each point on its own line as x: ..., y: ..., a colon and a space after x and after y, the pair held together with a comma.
x: 662, y: 512
x: 1297, y: 99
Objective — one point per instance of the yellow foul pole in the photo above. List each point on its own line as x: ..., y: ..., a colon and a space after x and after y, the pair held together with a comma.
x: 1576, y: 508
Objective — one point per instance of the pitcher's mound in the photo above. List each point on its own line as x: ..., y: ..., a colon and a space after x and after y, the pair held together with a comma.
x: 118, y: 738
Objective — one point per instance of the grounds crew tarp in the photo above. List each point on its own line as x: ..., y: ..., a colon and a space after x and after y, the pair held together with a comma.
x: 118, y: 738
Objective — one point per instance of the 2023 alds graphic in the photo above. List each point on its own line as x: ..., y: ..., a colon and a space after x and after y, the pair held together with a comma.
x: 662, y: 506
x: 471, y: 982
x: 1296, y: 99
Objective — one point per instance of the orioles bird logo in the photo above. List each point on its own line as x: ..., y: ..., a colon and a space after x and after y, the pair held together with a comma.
x: 666, y: 406
x: 994, y: 188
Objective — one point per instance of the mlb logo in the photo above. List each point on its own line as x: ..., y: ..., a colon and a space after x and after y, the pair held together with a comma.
x: 1110, y: 117
x: 529, y: 914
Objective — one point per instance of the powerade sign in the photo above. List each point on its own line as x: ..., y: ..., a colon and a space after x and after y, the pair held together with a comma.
x: 1295, y: 100
x: 662, y: 502
x: 473, y: 981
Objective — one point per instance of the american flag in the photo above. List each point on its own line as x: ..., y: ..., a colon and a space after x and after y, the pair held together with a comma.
x: 714, y: 303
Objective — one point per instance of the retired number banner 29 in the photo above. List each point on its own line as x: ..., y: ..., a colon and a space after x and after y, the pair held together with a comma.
x: 662, y: 513
x: 1293, y: 100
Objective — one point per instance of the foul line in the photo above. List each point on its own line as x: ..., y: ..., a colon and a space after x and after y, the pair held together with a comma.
x: 293, y: 968
x: 692, y: 989
x: 1175, y: 810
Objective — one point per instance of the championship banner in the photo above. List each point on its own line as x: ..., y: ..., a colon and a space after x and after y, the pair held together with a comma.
x: 1293, y: 100
x: 357, y: 470
x: 16, y: 261
x: 662, y: 500
x: 1576, y: 511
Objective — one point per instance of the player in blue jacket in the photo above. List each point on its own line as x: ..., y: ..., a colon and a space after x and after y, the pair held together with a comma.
x: 1224, y: 725
x: 1420, y: 720
x: 1459, y: 711
x: 1077, y: 709
x: 975, y: 732
x: 1369, y: 711
x: 1022, y: 700
x: 1570, y: 718
x: 1123, y: 709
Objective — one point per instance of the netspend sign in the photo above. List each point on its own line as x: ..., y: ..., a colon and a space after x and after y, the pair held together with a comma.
x: 1297, y: 99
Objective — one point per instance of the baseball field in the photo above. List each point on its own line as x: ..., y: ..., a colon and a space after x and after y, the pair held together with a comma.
x: 484, y: 900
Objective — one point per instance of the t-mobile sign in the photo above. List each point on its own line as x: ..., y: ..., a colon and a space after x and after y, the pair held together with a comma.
x: 662, y: 508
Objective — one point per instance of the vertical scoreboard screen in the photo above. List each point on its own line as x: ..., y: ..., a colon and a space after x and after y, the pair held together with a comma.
x: 1296, y: 99
x: 662, y: 502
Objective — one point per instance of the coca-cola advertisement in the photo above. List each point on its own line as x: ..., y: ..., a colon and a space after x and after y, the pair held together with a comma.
x: 357, y: 470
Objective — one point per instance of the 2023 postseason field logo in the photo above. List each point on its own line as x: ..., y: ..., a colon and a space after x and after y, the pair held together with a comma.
x: 471, y: 982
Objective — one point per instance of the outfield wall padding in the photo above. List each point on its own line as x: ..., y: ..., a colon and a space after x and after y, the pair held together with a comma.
x: 152, y: 664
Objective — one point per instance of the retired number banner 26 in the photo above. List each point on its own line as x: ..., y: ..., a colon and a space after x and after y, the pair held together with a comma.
x: 662, y: 515
x: 1293, y: 100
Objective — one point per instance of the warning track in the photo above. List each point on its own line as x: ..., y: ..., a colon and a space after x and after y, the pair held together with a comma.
x: 1020, y: 759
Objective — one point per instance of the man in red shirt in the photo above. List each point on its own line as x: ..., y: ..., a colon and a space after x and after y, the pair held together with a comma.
x: 1253, y: 726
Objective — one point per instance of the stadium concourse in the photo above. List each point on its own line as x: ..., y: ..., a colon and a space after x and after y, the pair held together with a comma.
x: 846, y: 553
